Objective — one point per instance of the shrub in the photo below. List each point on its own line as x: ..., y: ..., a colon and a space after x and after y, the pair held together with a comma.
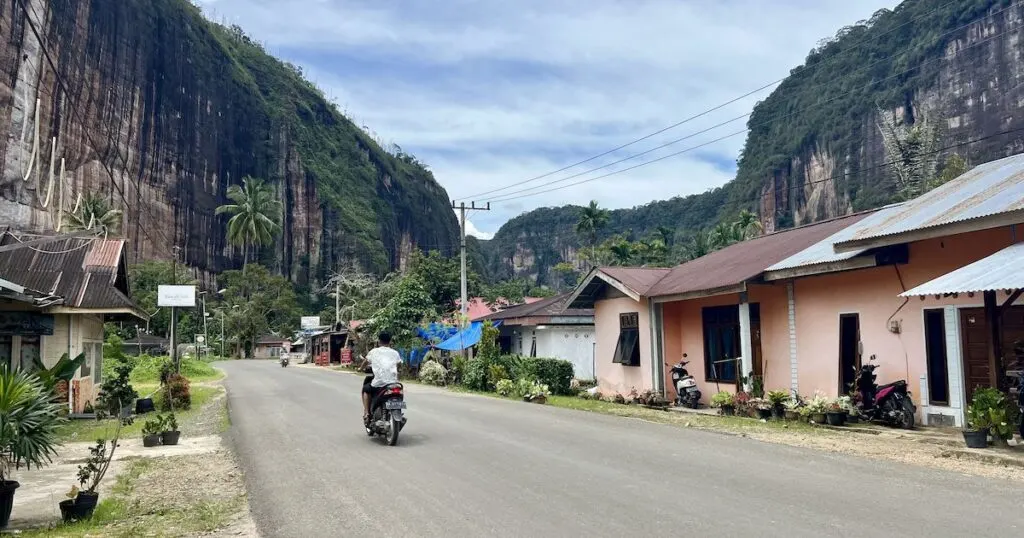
x: 433, y: 373
x: 458, y: 370
x: 176, y: 394
x: 555, y: 373
x: 506, y: 387
x: 496, y: 373
x: 990, y: 408
x: 116, y: 391
x: 29, y: 420
x: 722, y: 398
x: 524, y: 386
x: 475, y: 377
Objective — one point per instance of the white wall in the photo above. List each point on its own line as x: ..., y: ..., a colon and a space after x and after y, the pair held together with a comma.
x: 569, y: 342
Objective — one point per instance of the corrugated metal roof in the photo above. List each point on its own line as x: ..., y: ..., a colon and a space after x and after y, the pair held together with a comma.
x: 82, y: 271
x: 551, y: 306
x: 1003, y: 270
x: 744, y: 261
x: 638, y: 279
x: 988, y: 189
x: 823, y: 251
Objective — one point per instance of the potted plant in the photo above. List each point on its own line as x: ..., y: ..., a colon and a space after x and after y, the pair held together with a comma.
x: 817, y: 408
x: 537, y: 393
x: 742, y: 402
x: 835, y: 413
x: 28, y: 431
x: 151, y: 431
x: 81, y: 503
x: 761, y: 408
x: 778, y: 399
x: 987, y: 414
x: 170, y: 433
x: 792, y: 409
x: 724, y: 401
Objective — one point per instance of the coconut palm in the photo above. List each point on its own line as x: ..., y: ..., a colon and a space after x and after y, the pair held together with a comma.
x: 747, y: 225
x: 95, y: 213
x: 700, y: 245
x: 667, y: 235
x: 592, y: 220
x: 255, y: 215
x: 621, y: 252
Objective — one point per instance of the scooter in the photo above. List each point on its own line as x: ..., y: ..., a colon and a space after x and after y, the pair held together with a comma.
x: 284, y: 361
x: 686, y: 386
x: 387, y: 413
x: 889, y: 403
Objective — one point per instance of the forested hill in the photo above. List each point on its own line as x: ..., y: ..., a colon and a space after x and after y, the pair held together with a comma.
x: 814, y: 149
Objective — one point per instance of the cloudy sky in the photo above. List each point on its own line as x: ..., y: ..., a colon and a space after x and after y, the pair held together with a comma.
x: 493, y: 93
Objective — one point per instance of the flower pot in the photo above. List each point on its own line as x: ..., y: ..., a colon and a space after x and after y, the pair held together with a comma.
x: 779, y: 411
x: 764, y: 414
x: 818, y: 418
x: 976, y: 438
x: 540, y: 399
x: 86, y: 498
x: 792, y: 414
x: 7, y: 501
x: 728, y: 410
x: 170, y: 438
x: 852, y: 419
x: 151, y: 440
x: 837, y: 418
x: 72, y: 511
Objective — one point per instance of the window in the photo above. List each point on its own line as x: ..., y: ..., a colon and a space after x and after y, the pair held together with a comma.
x: 627, y: 349
x: 30, y: 349
x: 86, y: 369
x: 97, y: 366
x: 533, y: 346
x: 721, y: 342
x: 6, y: 350
x: 935, y: 351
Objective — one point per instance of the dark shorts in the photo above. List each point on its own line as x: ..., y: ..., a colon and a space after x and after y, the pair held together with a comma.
x: 367, y: 388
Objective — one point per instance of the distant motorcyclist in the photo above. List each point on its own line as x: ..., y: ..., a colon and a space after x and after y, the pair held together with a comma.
x: 383, y: 362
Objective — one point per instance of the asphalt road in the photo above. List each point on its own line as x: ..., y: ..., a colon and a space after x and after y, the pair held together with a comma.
x: 474, y: 466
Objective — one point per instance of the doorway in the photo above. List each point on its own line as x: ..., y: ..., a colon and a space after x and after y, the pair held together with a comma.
x: 974, y: 342
x: 849, y: 351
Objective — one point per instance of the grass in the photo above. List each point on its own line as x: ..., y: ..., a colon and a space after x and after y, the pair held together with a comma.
x: 197, y: 371
x: 90, y: 430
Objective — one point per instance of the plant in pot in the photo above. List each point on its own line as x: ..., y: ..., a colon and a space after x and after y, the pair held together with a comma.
x: 724, y: 401
x: 761, y: 407
x: 170, y: 433
x: 817, y: 407
x: 28, y: 430
x: 742, y: 402
x: 988, y: 414
x: 778, y: 399
x: 835, y: 413
x: 82, y: 502
x: 117, y: 395
x: 151, y: 430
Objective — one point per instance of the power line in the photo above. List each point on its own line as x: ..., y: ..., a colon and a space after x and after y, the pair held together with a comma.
x: 710, y: 110
x: 511, y: 196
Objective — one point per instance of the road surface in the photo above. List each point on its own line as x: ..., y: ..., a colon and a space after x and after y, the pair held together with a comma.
x: 474, y: 466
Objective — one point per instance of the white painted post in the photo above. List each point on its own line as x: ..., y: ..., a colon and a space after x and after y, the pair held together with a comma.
x: 746, y: 345
x: 924, y: 399
x: 794, y: 371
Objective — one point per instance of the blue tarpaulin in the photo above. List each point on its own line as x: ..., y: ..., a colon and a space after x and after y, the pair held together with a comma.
x: 464, y: 339
x: 436, y: 332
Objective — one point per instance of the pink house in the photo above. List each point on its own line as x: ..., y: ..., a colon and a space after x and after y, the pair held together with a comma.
x: 928, y: 287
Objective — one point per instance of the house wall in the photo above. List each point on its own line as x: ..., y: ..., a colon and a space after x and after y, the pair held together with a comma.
x: 684, y: 333
x: 615, y: 378
x: 873, y: 294
x: 85, y: 334
x: 268, y: 351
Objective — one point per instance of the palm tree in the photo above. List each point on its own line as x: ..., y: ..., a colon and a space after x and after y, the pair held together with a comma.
x: 747, y: 225
x: 621, y: 251
x: 95, y: 213
x: 700, y: 245
x: 667, y: 235
x: 592, y: 220
x: 723, y: 235
x: 255, y: 215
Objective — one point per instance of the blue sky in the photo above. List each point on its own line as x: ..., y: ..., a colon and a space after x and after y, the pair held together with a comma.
x: 490, y: 93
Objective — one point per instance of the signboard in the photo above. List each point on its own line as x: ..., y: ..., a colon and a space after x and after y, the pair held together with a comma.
x: 26, y: 324
x: 181, y: 296
x: 309, y: 322
x: 200, y: 339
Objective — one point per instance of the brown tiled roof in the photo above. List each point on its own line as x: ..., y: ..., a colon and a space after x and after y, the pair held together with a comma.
x: 551, y: 306
x: 638, y: 279
x: 272, y: 340
x: 85, y: 272
x: 744, y: 261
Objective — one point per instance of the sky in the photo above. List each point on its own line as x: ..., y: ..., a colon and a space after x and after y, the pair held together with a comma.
x: 492, y: 93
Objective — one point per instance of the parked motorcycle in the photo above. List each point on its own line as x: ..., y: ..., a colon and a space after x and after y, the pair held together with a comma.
x: 284, y: 361
x: 889, y: 403
x: 686, y: 386
x: 387, y: 416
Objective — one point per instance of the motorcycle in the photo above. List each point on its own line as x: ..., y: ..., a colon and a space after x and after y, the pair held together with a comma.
x: 687, y: 393
x: 284, y: 361
x: 889, y: 403
x: 387, y: 413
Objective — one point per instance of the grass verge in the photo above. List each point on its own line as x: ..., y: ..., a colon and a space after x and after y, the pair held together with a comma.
x: 148, y: 370
x: 90, y: 430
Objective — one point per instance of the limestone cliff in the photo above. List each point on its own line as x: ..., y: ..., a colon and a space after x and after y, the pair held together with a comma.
x: 160, y: 110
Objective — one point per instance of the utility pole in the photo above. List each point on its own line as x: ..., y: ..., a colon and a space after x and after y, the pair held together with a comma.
x: 337, y: 302
x: 174, y: 313
x: 464, y: 306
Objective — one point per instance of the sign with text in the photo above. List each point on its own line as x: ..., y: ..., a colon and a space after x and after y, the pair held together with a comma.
x: 629, y: 320
x: 309, y: 322
x: 179, y: 296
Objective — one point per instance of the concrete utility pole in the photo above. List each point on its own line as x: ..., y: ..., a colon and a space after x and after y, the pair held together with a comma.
x: 174, y: 313
x: 462, y: 247
x: 337, y: 301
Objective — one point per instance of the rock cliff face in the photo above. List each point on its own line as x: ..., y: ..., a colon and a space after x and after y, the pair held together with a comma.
x: 814, y: 149
x: 159, y: 110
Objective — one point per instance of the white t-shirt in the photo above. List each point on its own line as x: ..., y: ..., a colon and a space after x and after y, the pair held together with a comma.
x: 384, y: 362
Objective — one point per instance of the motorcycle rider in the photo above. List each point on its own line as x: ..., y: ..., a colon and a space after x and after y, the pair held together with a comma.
x: 383, y: 360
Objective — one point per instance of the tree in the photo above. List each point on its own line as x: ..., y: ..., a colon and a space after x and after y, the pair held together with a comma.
x: 95, y: 213
x: 912, y: 151
x: 408, y: 306
x: 567, y: 275
x: 701, y: 244
x: 667, y: 235
x: 747, y: 225
x: 255, y: 215
x: 442, y: 278
x: 591, y: 220
x: 954, y: 167
x: 258, y: 302
x: 145, y: 278
x: 621, y: 252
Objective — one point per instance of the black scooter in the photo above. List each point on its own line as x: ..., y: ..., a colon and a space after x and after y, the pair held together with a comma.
x: 889, y: 403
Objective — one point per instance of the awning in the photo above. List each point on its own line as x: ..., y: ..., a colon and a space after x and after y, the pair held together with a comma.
x: 466, y: 338
x: 1003, y: 270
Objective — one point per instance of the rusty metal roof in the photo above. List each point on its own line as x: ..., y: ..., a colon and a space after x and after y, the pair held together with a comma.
x: 1003, y: 270
x: 823, y: 252
x: 550, y: 306
x: 987, y: 190
x: 85, y: 272
x: 744, y: 261
x: 638, y: 279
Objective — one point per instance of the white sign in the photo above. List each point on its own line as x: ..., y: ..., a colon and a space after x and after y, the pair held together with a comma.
x: 200, y: 339
x: 184, y: 296
x: 309, y: 322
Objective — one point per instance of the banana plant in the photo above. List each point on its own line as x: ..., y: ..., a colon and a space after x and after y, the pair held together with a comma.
x: 64, y: 370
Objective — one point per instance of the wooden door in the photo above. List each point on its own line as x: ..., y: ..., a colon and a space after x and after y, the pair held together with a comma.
x: 974, y: 341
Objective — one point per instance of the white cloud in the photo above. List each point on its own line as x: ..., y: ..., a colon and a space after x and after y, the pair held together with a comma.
x: 472, y: 230
x: 491, y: 93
